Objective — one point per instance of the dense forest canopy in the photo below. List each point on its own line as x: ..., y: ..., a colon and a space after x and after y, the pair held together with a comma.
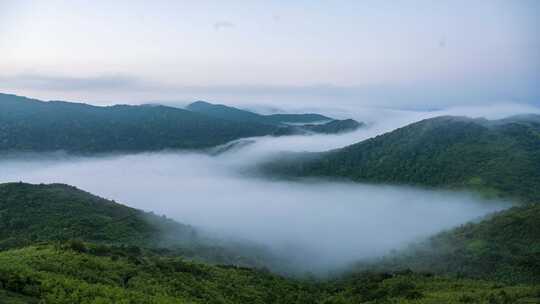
x: 497, y: 158
x: 33, y: 125
x: 288, y: 124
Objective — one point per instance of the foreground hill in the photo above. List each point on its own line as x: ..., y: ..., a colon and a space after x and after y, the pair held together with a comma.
x: 288, y: 123
x: 85, y: 273
x: 504, y: 247
x: 499, y: 157
x: 35, y: 213
x: 33, y: 125
x: 43, y: 260
x: 32, y: 214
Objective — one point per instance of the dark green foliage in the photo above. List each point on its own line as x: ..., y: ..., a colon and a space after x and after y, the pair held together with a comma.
x: 35, y: 213
x: 497, y: 158
x: 334, y: 126
x: 226, y: 112
x: 33, y: 125
x: 58, y: 274
x: 235, y: 114
x: 41, y: 213
x: 505, y: 247
x: 303, y: 123
x: 297, y: 118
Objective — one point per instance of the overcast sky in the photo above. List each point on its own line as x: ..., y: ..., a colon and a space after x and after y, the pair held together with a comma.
x: 401, y: 54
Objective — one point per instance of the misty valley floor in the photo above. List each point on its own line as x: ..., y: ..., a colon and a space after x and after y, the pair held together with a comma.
x: 315, y: 226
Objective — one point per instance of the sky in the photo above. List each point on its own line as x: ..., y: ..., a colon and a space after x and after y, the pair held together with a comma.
x: 392, y: 54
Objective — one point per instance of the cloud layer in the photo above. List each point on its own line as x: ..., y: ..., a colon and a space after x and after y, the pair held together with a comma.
x: 317, y: 226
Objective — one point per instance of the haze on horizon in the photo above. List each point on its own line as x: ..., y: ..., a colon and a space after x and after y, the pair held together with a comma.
x: 394, y: 54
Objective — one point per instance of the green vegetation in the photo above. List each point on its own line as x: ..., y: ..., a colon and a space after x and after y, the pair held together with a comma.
x: 33, y: 125
x: 235, y: 114
x: 36, y: 213
x: 287, y: 124
x: 59, y: 244
x: 63, y: 245
x: 32, y: 214
x: 504, y: 247
x: 497, y: 158
x: 84, y: 273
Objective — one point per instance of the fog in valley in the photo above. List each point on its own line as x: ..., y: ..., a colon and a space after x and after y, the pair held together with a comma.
x: 318, y: 225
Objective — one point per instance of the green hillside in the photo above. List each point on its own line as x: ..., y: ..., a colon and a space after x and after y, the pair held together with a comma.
x: 33, y: 125
x: 32, y: 214
x: 35, y: 213
x: 120, y: 260
x: 287, y: 124
x: 235, y: 114
x: 504, y: 247
x: 497, y: 158
x: 85, y: 273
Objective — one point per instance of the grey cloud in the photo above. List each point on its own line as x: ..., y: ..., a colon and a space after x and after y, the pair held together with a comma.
x: 127, y: 88
x: 51, y: 82
x: 317, y: 226
x: 223, y: 25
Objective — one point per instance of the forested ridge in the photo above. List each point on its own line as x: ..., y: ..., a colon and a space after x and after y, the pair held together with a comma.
x: 496, y: 158
x: 31, y: 125
x: 288, y: 124
x: 504, y: 247
x: 240, y: 115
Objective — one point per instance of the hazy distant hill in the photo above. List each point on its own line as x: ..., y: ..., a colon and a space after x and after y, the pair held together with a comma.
x: 288, y: 123
x: 33, y: 125
x: 495, y: 157
x: 235, y: 114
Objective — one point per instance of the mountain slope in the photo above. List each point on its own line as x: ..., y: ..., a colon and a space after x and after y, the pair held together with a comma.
x: 85, y: 273
x: 116, y: 262
x: 31, y: 214
x: 494, y: 157
x: 289, y: 124
x: 235, y: 114
x: 500, y: 158
x: 33, y: 125
x: 504, y: 247
x: 34, y: 213
x: 297, y: 118
x: 226, y: 112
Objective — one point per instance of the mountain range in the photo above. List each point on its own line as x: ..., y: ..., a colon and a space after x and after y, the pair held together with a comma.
x: 60, y: 244
x: 33, y: 125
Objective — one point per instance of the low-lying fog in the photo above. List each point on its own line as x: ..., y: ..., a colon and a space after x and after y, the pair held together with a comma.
x: 319, y: 225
